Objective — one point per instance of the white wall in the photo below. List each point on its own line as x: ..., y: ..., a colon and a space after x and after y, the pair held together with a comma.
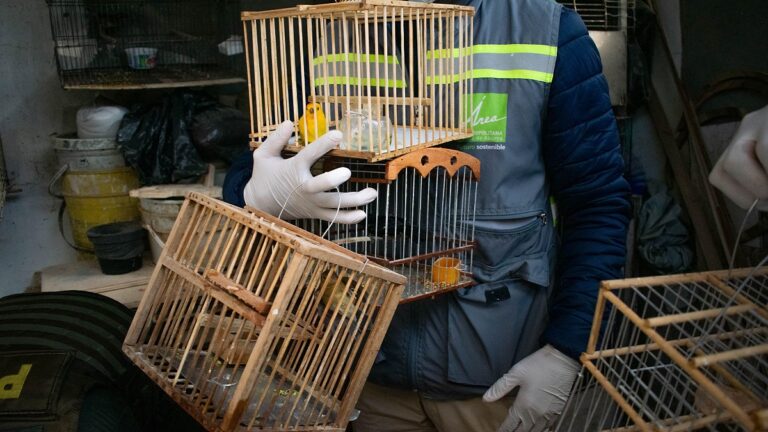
x: 32, y: 106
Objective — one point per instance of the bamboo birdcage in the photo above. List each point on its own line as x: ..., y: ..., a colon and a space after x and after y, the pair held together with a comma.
x: 252, y: 324
x: 421, y: 225
x: 394, y: 76
x: 679, y: 353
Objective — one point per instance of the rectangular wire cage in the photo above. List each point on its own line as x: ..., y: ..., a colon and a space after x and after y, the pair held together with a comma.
x: 604, y: 15
x: 679, y: 353
x: 421, y: 225
x: 252, y: 324
x: 394, y: 76
x: 132, y: 44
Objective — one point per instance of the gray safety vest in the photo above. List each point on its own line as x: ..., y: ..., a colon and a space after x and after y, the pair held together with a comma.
x: 457, y: 345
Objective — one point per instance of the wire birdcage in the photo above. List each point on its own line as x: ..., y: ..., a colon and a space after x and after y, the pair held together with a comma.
x: 395, y: 76
x: 604, y: 15
x: 421, y: 225
x: 131, y: 44
x: 678, y: 353
x: 252, y: 324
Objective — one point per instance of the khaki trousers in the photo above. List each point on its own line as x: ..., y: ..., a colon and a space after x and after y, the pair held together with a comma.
x: 383, y: 409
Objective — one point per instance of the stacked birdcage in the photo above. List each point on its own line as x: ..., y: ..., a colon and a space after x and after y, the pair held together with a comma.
x: 131, y: 44
x: 422, y: 223
x: 676, y: 353
x: 396, y: 78
x: 250, y: 323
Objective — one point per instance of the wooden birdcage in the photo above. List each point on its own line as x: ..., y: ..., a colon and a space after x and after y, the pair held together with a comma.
x: 394, y: 76
x: 252, y: 324
x: 421, y: 225
x: 678, y: 353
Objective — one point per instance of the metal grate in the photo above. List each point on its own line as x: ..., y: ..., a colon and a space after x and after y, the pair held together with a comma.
x: 605, y: 15
x: 123, y: 44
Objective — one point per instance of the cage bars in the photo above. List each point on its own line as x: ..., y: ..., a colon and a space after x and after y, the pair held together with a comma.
x: 251, y: 323
x: 680, y: 352
x: 393, y: 75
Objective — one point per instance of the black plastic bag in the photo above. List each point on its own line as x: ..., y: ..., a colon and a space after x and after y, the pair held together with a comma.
x: 220, y: 132
x: 155, y: 139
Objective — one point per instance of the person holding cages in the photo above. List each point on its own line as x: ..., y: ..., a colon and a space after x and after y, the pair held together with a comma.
x: 500, y: 355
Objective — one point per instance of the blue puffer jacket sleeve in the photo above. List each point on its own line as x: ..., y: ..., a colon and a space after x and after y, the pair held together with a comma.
x: 237, y: 177
x: 584, y: 166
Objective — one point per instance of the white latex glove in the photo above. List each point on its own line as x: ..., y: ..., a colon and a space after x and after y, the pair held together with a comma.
x: 742, y: 171
x: 545, y: 379
x: 278, y: 182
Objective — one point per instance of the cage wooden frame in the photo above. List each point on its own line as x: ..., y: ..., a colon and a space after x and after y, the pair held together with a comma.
x: 293, y: 59
x: 700, y: 367
x: 425, y: 211
x: 250, y: 323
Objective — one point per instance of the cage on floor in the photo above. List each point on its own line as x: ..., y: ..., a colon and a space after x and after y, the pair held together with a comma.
x: 252, y: 324
x: 394, y: 76
x: 421, y: 225
x: 679, y: 353
x: 130, y: 44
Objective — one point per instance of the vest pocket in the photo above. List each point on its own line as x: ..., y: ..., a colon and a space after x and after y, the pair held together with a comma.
x: 497, y: 322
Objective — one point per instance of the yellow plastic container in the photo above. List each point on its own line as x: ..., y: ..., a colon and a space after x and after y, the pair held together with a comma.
x: 99, y: 197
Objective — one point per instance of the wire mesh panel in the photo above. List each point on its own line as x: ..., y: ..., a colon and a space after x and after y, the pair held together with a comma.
x: 252, y: 324
x: 604, y: 15
x: 421, y: 225
x: 123, y: 44
x: 394, y: 76
x: 678, y: 353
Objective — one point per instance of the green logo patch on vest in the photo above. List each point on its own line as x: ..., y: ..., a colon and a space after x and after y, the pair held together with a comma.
x: 488, y: 117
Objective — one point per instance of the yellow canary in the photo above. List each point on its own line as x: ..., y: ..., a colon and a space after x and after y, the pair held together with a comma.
x: 334, y: 294
x: 312, y: 124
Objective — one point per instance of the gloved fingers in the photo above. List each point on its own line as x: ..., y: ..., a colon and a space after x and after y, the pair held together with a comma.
x: 730, y: 187
x: 741, y: 162
x: 512, y: 423
x: 343, y: 216
x: 327, y: 180
x: 333, y: 200
x: 311, y: 153
x: 502, y: 386
x: 276, y: 141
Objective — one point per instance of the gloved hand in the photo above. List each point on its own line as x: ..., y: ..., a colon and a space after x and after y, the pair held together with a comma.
x: 278, y: 182
x: 545, y: 379
x: 742, y: 171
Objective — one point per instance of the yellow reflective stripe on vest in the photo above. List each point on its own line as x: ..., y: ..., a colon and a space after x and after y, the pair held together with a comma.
x: 355, y: 58
x: 342, y: 69
x: 373, y: 82
x: 508, y: 61
x: 491, y: 73
x: 547, y: 50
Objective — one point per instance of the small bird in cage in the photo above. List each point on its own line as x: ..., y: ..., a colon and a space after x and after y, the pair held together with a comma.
x: 333, y: 293
x: 312, y: 124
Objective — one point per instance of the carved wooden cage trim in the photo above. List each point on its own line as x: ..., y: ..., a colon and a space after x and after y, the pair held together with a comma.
x: 422, y: 223
x: 393, y: 75
x: 678, y: 353
x: 252, y: 324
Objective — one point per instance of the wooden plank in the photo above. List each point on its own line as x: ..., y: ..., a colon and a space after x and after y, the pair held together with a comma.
x: 87, y: 276
x: 175, y: 191
x: 176, y: 84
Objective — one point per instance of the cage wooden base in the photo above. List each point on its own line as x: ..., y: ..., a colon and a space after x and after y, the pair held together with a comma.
x: 676, y: 353
x: 250, y: 323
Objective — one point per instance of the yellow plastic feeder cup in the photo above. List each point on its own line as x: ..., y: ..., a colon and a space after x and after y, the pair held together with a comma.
x: 446, y: 271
